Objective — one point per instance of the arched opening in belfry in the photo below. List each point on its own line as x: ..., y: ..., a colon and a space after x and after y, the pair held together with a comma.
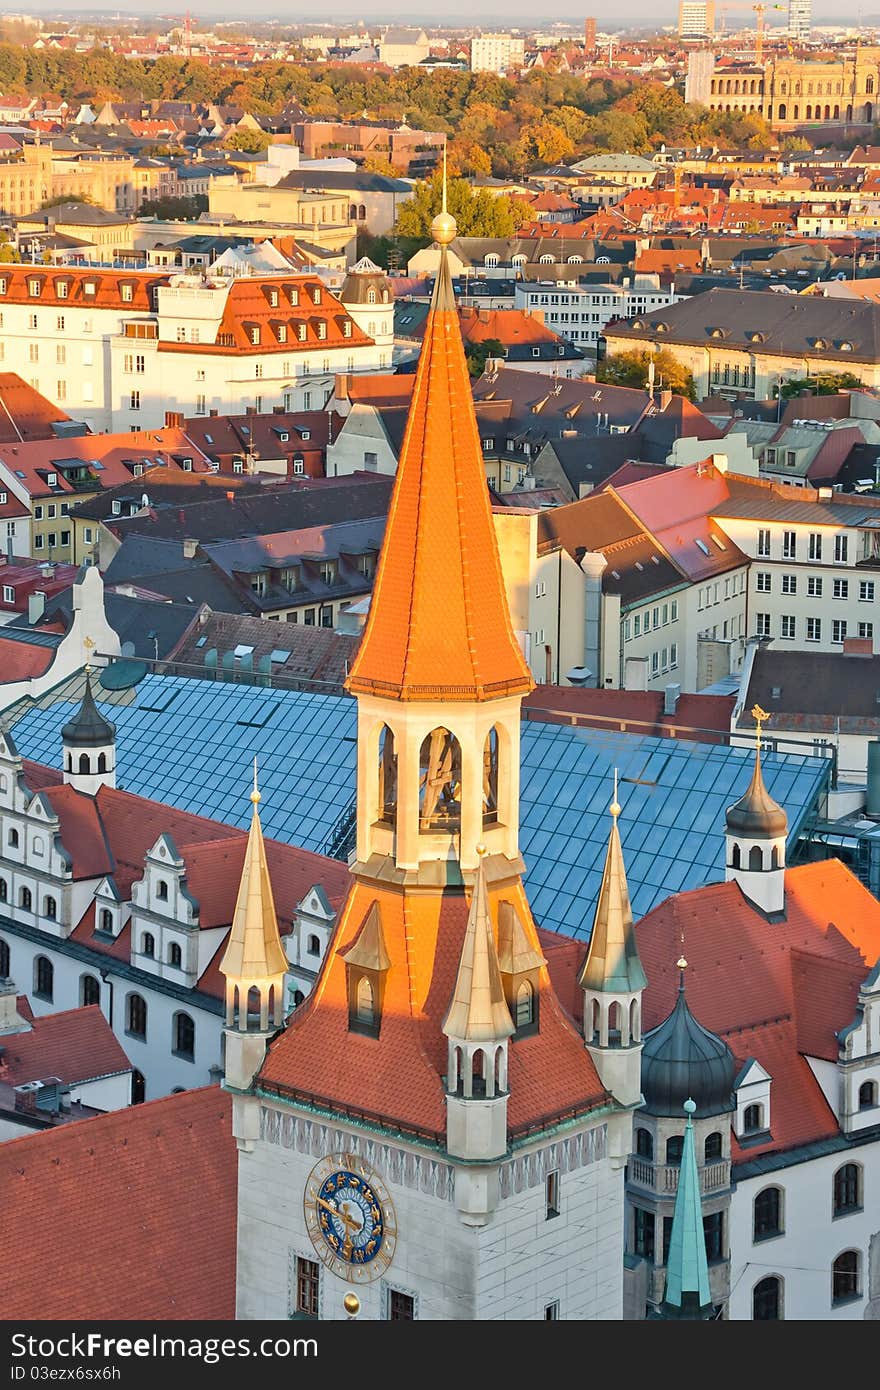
x: 440, y: 781
x: 387, y: 777
x: 490, y: 778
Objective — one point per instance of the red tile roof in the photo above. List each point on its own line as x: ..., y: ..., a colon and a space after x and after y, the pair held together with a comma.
x: 118, y: 455
x: 675, y: 507
x: 701, y: 718
x: 107, y: 287
x: 398, y: 1076
x: 775, y: 991
x: 21, y: 660
x: 162, y: 1244
x: 24, y: 413
x: 439, y: 624
x: 248, y: 305
x: 77, y: 1045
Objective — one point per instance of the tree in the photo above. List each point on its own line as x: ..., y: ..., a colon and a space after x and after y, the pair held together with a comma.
x: 175, y: 209
x: 380, y: 164
x: 248, y: 141
x: 478, y: 353
x: 478, y: 212
x: 824, y: 384
x: 61, y: 199
x: 631, y: 369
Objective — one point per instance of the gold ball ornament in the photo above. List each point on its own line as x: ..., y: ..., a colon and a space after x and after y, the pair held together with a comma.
x: 352, y: 1304
x: 444, y: 228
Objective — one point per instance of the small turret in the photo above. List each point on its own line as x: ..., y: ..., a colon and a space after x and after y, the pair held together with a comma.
x: 89, y: 746
x: 756, y: 832
x: 254, y: 964
x: 612, y: 980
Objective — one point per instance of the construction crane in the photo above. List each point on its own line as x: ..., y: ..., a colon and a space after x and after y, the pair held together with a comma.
x: 759, y: 10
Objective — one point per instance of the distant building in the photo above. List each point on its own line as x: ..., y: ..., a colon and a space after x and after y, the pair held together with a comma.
x: 497, y: 53
x: 698, y: 81
x: 590, y: 35
x: 696, y: 18
x: 800, y: 18
x: 403, y: 48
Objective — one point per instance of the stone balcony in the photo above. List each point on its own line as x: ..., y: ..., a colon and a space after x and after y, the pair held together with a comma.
x: 662, y: 1178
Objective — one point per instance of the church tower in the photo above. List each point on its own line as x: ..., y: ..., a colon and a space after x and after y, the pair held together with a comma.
x: 756, y: 832
x: 433, y: 1096
x: 88, y: 746
x: 612, y: 980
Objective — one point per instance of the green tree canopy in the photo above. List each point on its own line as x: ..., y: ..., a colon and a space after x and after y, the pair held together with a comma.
x: 631, y: 369
x: 476, y: 211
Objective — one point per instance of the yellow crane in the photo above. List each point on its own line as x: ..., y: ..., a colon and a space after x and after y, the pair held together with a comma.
x: 760, y: 10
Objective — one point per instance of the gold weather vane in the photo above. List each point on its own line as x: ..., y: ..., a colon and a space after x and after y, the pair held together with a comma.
x: 255, y: 794
x: 443, y: 228
x: 90, y: 647
x: 760, y: 717
x: 614, y: 808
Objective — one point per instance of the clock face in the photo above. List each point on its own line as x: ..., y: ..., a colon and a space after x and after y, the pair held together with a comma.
x: 350, y: 1217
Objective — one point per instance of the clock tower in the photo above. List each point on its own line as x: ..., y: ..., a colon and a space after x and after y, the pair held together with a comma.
x: 430, y: 1128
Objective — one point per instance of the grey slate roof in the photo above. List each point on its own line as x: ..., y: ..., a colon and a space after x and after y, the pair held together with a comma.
x: 819, y: 692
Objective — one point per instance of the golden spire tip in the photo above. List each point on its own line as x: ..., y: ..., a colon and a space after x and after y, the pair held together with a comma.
x: 681, y: 963
x: 255, y: 794
x: 444, y: 228
x: 481, y: 849
x: 614, y: 808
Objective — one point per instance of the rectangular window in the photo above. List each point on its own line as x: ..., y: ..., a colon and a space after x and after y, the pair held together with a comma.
x: 38, y: 541
x: 840, y: 588
x: 34, y: 352
x: 61, y: 390
x: 673, y: 611
x: 61, y: 290
x: 762, y: 581
x: 788, y: 626
x: 627, y: 629
x: 551, y: 1194
x: 838, y: 629
x: 814, y: 587
x: 309, y: 617
x: 673, y: 655
x: 866, y: 629
x: 762, y: 624
x: 60, y: 354
x: 814, y: 629
x: 65, y: 538
x: 815, y: 545
x: 551, y: 1312
x: 841, y: 547
x: 8, y: 593
x: 655, y: 663
x: 51, y: 539
x: 401, y: 1306
x: 200, y: 405
x: 656, y: 617
x: 789, y: 583
x: 764, y: 543
x: 307, y: 1278
x: 637, y: 625
x: 644, y: 1234
x: 51, y: 511
x: 713, y: 1229
x: 866, y: 591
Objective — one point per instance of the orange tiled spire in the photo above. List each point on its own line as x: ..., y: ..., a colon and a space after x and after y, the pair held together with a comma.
x: 439, y: 625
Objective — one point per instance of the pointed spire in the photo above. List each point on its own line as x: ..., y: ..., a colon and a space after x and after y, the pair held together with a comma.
x: 254, y: 952
x: 756, y: 814
x: 439, y: 626
x: 478, y: 1012
x: 687, y: 1270
x: 612, y: 965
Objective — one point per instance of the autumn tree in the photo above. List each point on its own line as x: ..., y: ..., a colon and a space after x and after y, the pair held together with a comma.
x: 477, y: 211
x: 631, y: 369
x: 248, y: 141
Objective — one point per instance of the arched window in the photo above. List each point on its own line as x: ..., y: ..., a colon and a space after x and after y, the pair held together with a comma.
x: 148, y: 944
x: 106, y: 921
x: 175, y: 955
x: 490, y: 778
x: 25, y: 899
x: 753, y: 1119
x: 845, y: 1277
x: 387, y: 777
x: 783, y: 111
x: 162, y: 890
x: 50, y: 908
x: 645, y: 1144
x: 184, y: 1037
x: 138, y: 1087
x: 869, y: 86
x: 614, y: 1023
x: 4, y: 890
x: 136, y: 1016
x: 756, y: 858
x: 774, y: 857
x: 84, y: 763
x: 809, y: 112
x: 525, y: 1004
x: 89, y: 990
x: 44, y: 978
x: 102, y: 762
x: 69, y: 763
x: 440, y: 782
x: 4, y: 960
x: 767, y: 1214
x: 298, y: 998
x: 767, y: 1300
x: 365, y: 1011
x: 13, y: 837
x: 847, y: 1189
x: 674, y: 1147
x: 736, y: 857
x: 352, y: 212
x: 362, y: 212
x: 712, y: 1148
x: 313, y: 945
x: 867, y: 1092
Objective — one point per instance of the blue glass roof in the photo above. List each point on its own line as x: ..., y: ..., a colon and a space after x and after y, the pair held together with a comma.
x: 191, y: 743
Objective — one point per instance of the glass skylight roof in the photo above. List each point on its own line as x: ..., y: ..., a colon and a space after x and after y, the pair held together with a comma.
x: 191, y: 743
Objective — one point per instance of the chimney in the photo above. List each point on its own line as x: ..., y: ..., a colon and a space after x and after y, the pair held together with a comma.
x: 181, y: 515
x: 174, y: 420
x: 720, y: 462
x: 213, y: 411
x: 340, y: 389
x: 36, y: 606
x: 190, y: 546
x: 670, y: 698
x: 11, y: 1020
x: 230, y: 496
x: 635, y: 673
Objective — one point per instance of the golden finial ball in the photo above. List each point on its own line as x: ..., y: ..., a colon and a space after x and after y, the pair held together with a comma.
x: 681, y: 963
x: 444, y: 229
x: 256, y: 798
x: 352, y: 1304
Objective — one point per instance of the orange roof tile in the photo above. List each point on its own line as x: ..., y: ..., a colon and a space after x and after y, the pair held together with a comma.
x: 249, y: 306
x: 76, y: 1045
x: 19, y: 660
x: 163, y: 1247
x: 398, y: 1077
x: 439, y: 624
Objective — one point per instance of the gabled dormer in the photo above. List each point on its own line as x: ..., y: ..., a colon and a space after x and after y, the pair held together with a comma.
x: 312, y: 928
x: 752, y: 1121
x: 859, y: 1060
x: 162, y: 891
x: 111, y: 913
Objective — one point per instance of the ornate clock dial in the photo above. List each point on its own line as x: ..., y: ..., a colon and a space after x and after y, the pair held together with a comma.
x: 350, y: 1217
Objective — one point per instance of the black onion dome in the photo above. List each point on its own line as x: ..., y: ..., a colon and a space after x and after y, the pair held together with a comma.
x: 756, y: 815
x: 681, y: 1059
x: 88, y: 728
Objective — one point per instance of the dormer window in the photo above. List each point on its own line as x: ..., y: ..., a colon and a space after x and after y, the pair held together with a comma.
x: 162, y: 890
x: 127, y: 293
x: 90, y: 288
x: 520, y: 966
x: 366, y: 966
x: 34, y: 288
x: 322, y: 330
x: 282, y: 332
x: 105, y: 921
x: 273, y: 298
x: 254, y: 333
x: 753, y: 1119
x: 346, y: 328
x: 52, y: 479
x: 316, y: 294
x: 61, y: 289
x: 301, y: 331
x: 293, y: 296
x: 3, y: 284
